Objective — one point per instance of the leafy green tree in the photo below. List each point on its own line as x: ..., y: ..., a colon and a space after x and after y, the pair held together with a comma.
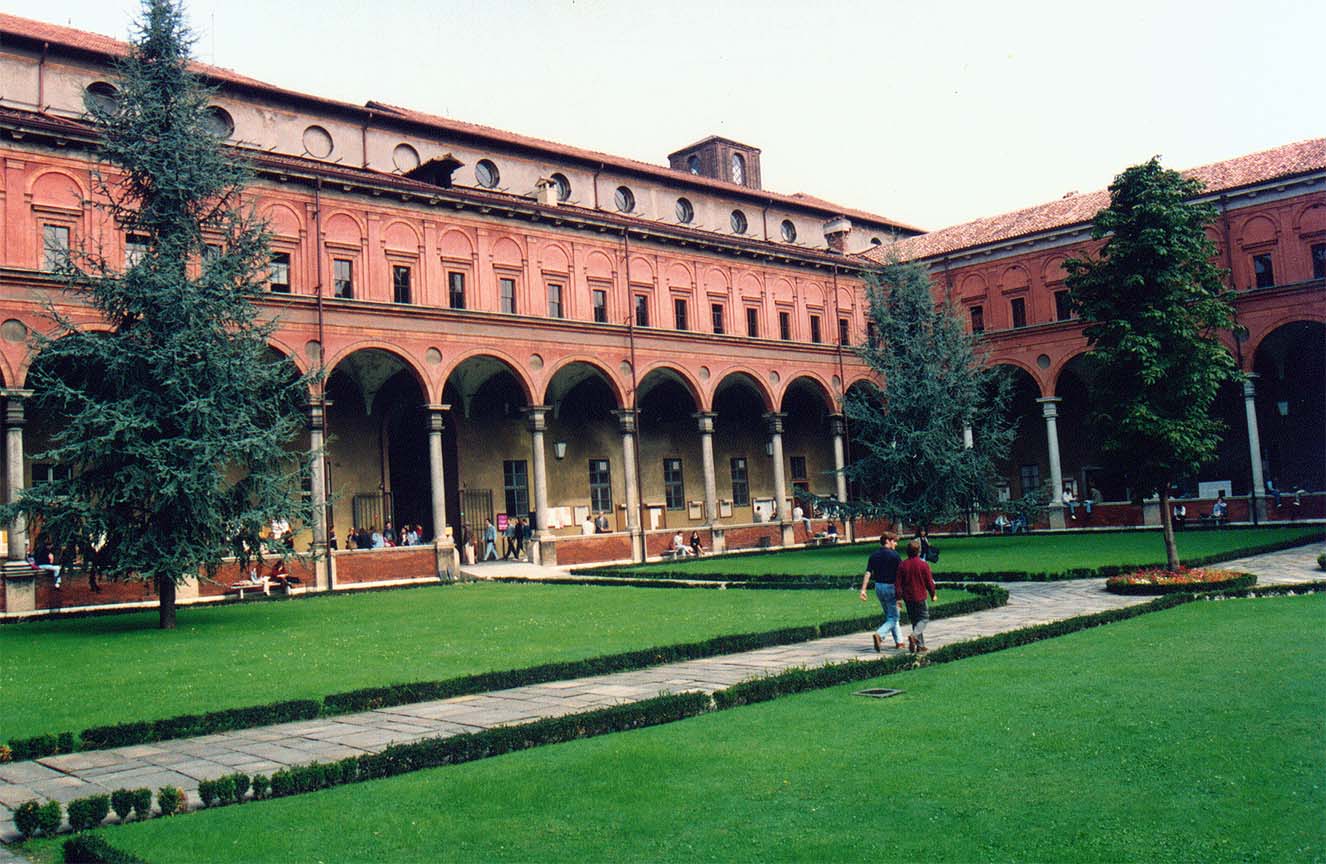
x: 175, y: 421
x: 911, y: 461
x: 1153, y: 304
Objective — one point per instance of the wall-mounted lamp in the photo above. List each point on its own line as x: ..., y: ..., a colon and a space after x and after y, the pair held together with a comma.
x: 559, y: 449
x: 1283, y: 408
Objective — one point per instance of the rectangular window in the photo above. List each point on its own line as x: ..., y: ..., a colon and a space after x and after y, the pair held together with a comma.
x: 740, y: 482
x: 515, y: 483
x: 600, y: 486
x: 400, y: 284
x: 600, y: 305
x: 555, y: 301
x: 679, y: 314
x: 55, y: 246
x: 1031, y: 478
x: 343, y: 278
x: 784, y: 326
x: 978, y: 319
x: 456, y: 289
x: 872, y: 335
x: 1261, y: 268
x: 753, y: 323
x: 815, y: 335
x: 1019, y: 306
x: 211, y: 252
x: 716, y: 314
x: 278, y: 273
x: 1319, y: 261
x: 844, y: 332
x: 507, y: 288
x: 798, y: 465
x: 1062, y: 309
x: 641, y: 310
x: 135, y: 248
x: 674, y: 493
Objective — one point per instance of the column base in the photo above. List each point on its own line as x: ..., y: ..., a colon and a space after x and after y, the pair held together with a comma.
x: 789, y: 533
x: 543, y: 550
x: 20, y: 587
x: 637, y: 546
x: 1259, y: 509
x: 189, y: 589
x: 973, y: 523
x: 849, y: 528
x: 448, y: 560
x: 1151, y: 512
x: 717, y: 541
x: 1056, y: 516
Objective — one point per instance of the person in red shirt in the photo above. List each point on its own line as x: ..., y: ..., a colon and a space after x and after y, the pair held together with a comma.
x: 915, y: 583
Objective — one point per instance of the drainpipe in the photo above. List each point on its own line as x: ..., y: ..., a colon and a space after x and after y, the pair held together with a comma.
x: 598, y: 171
x: 363, y: 139
x: 765, y: 218
x: 41, y: 79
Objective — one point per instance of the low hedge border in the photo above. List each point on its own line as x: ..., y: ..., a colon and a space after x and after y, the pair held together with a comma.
x: 668, y: 708
x: 1234, y: 583
x: 371, y: 698
x: 93, y: 849
x: 647, y: 573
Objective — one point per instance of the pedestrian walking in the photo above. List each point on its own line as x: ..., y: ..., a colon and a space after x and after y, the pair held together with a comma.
x: 915, y: 583
x: 883, y: 568
x: 489, y: 540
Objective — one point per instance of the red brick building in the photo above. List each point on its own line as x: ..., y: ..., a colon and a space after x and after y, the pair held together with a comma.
x: 513, y: 327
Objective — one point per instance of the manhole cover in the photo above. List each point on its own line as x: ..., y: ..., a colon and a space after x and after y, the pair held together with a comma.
x: 877, y: 693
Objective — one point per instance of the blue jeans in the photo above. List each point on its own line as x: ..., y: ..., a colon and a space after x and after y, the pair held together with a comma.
x: 888, y: 598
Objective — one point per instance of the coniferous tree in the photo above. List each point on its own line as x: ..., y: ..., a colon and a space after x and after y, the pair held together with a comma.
x: 910, y: 460
x: 1153, y: 304
x: 174, y: 417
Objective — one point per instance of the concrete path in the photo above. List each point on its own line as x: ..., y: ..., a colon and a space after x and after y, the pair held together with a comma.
x: 185, y: 762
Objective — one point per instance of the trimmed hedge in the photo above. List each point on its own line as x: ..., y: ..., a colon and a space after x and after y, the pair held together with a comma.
x: 371, y: 698
x: 93, y: 849
x: 1236, y: 583
x: 89, y: 812
x: 33, y: 817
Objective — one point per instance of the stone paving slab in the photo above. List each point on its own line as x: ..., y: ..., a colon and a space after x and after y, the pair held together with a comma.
x: 265, y: 750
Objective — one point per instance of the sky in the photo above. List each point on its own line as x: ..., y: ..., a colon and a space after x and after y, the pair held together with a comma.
x: 930, y: 113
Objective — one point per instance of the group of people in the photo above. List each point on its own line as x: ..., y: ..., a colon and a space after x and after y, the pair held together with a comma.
x: 372, y: 538
x: 1071, y: 501
x: 908, y: 582
x: 597, y: 525
x: 516, y: 534
x: 1004, y: 525
x: 680, y: 548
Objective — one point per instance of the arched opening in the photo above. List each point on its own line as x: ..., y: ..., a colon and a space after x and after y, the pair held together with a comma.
x: 807, y: 441
x: 377, y: 449
x: 742, y: 467
x: 486, y: 446
x: 1028, y: 466
x: 586, y: 477
x: 858, y: 393
x: 1291, y: 405
x: 669, y: 451
x: 1080, y: 458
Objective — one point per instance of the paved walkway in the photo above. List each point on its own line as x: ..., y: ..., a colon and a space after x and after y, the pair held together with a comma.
x: 185, y: 762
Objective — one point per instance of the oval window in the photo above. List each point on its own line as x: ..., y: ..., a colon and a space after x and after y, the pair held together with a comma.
x: 625, y: 199
x: 789, y: 231
x: 738, y: 222
x: 685, y: 212
x: 405, y: 157
x: 101, y: 98
x: 487, y: 174
x: 563, y: 186
x: 218, y: 122
x: 317, y: 142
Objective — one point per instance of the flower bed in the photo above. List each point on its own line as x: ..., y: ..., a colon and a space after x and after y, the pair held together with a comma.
x: 1158, y: 580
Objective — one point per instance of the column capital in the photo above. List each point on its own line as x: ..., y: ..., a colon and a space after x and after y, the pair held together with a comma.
x: 15, y: 418
x: 626, y: 420
x: 774, y: 422
x: 1049, y: 405
x: 704, y: 421
x: 434, y: 416
x: 837, y: 424
x: 1250, y: 385
x: 538, y: 417
x: 316, y: 412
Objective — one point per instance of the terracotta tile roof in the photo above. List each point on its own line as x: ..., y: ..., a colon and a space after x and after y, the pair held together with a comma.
x: 1286, y: 161
x: 79, y: 40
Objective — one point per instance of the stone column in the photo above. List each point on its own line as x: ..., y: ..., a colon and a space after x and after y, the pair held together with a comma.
x: 1255, y: 447
x: 544, y: 548
x: 1050, y: 408
x: 317, y: 442
x: 775, y: 427
x: 973, y: 517
x: 838, y: 429
x: 705, y: 419
x: 626, y: 424
x: 448, y: 558
x: 20, y: 584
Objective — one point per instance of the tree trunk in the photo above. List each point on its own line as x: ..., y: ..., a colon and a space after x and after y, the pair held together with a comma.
x: 1167, y: 528
x: 166, y: 610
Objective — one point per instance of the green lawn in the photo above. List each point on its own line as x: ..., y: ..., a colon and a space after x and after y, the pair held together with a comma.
x: 1051, y: 553
x: 68, y: 675
x: 1189, y: 735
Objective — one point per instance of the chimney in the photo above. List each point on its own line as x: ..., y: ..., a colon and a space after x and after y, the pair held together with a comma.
x: 836, y: 231
x: 546, y: 192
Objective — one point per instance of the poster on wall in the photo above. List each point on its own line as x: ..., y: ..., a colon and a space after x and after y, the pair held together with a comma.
x: 502, y: 522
